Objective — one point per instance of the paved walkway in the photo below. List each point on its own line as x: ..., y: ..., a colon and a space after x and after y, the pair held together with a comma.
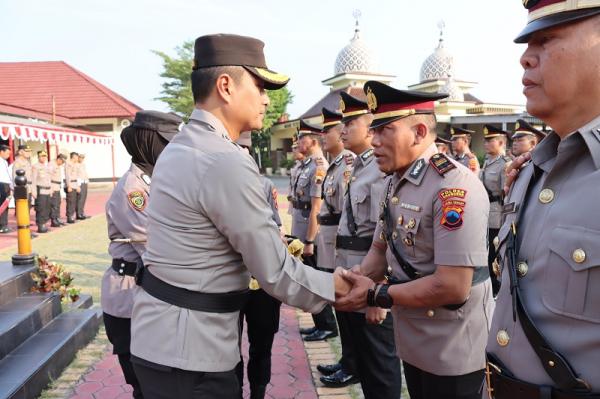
x: 94, y: 206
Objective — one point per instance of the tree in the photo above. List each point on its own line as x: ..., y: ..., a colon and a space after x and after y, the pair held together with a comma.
x: 177, y: 94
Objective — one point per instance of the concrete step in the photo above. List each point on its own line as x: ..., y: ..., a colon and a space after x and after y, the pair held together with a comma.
x: 27, y: 370
x: 24, y: 316
x: 14, y: 281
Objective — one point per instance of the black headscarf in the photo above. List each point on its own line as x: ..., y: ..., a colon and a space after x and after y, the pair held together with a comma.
x: 144, y: 146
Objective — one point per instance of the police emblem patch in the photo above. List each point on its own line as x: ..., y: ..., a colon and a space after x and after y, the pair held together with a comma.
x: 137, y: 199
x: 453, y: 207
x: 274, y: 195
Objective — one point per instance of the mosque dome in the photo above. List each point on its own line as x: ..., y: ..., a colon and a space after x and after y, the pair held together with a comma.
x: 453, y: 90
x: 438, y: 65
x: 357, y: 56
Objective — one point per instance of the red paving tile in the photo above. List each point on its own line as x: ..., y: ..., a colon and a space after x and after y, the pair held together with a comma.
x: 291, y: 372
x: 94, y: 206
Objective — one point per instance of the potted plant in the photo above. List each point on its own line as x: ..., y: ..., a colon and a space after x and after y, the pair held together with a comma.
x: 268, y: 165
x: 74, y: 294
x: 283, y: 167
x: 51, y: 277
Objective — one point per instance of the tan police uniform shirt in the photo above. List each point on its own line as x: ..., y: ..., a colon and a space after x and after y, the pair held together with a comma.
x: 293, y: 176
x: 55, y: 171
x: 469, y: 160
x: 82, y: 173
x: 493, y: 177
x: 308, y: 185
x: 440, y: 220
x: 559, y: 234
x: 364, y: 190
x: 207, y: 232
x: 72, y: 175
x: 25, y: 164
x: 334, y: 189
x: 40, y: 179
x: 126, y: 217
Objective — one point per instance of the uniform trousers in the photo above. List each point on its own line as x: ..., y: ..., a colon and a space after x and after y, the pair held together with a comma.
x: 118, y: 331
x: 55, y: 205
x: 492, y: 233
x: 71, y: 203
x: 348, y: 359
x: 376, y: 359
x: 164, y: 382
x: 81, y: 198
x: 42, y: 208
x: 262, y: 318
x: 4, y: 191
x: 424, y: 385
x: 324, y: 320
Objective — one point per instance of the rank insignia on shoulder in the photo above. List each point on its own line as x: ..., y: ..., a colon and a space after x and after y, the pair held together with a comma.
x: 417, y: 169
x: 441, y: 164
x: 367, y: 154
x: 137, y: 199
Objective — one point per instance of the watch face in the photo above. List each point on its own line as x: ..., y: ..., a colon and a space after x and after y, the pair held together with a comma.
x: 383, y: 299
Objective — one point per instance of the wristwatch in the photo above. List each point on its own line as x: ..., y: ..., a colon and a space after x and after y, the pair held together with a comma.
x: 308, y: 242
x: 382, y: 298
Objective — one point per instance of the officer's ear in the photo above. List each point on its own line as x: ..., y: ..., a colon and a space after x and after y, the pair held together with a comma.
x: 421, y: 131
x: 225, y: 87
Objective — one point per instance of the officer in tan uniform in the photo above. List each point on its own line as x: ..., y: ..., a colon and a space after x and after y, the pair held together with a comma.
x: 209, y: 230
x: 368, y: 336
x: 432, y: 233
x: 334, y: 189
x: 307, y: 204
x: 493, y: 176
x: 55, y: 169
x: 72, y: 185
x: 23, y: 161
x: 545, y: 336
x: 41, y: 184
x: 82, y: 177
x: 443, y: 145
x: 127, y: 218
x: 298, y: 158
x: 461, y: 138
x: 525, y: 137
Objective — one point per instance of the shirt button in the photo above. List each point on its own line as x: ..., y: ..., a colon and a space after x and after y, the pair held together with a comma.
x: 395, y: 200
x: 546, y: 196
x: 502, y: 338
x: 394, y: 235
x: 400, y: 219
x: 522, y: 269
x: 430, y: 313
x: 579, y: 255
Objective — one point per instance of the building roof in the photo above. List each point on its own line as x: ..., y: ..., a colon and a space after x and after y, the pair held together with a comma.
x: 30, y: 86
x: 331, y: 101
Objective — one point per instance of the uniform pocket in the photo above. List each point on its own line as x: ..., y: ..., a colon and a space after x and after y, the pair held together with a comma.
x: 376, y: 200
x: 572, y: 273
x: 433, y: 314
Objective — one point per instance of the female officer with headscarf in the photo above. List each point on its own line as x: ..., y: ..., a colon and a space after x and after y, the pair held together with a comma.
x: 126, y: 216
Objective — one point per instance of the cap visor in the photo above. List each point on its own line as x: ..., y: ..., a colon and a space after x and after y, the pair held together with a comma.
x: 554, y: 20
x: 273, y: 80
x: 167, y: 135
x: 384, y: 121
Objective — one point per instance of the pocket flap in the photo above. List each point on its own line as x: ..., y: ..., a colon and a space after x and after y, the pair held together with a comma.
x: 577, y: 246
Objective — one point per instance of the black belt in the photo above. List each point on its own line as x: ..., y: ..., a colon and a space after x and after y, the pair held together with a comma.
x: 302, y: 205
x: 43, y: 187
x: 54, y: 181
x: 505, y: 386
x: 354, y: 242
x: 124, y: 268
x: 494, y: 198
x: 331, y: 219
x: 226, y: 302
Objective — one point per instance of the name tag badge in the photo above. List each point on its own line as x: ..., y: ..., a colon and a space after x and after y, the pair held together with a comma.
x: 410, y: 207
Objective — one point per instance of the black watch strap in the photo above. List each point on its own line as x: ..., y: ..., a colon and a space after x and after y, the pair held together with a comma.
x: 382, y: 298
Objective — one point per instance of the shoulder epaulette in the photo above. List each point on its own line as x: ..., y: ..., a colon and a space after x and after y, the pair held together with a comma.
x: 441, y: 163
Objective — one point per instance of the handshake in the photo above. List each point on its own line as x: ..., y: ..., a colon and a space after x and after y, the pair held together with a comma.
x: 351, y: 289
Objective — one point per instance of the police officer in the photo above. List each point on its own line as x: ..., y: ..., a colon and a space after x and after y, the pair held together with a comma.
x: 334, y: 189
x: 525, y: 137
x: 72, y: 185
x: 369, y: 336
x: 23, y: 161
x: 443, y: 145
x: 432, y: 233
x: 545, y: 336
x: 127, y: 218
x: 41, y: 183
x: 82, y: 176
x: 261, y: 311
x: 298, y: 158
x: 55, y: 171
x: 493, y: 177
x: 5, y: 187
x: 307, y: 203
x: 461, y: 138
x: 208, y: 230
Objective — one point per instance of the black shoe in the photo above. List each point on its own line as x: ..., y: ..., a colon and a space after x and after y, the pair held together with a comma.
x: 339, y: 380
x: 328, y: 369
x: 258, y: 391
x: 306, y: 331
x: 320, y: 335
x: 71, y: 221
x: 55, y: 223
x: 42, y: 228
x: 81, y: 218
x: 5, y: 230
x: 33, y: 235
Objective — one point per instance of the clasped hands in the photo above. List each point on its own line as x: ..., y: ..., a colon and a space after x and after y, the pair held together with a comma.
x: 351, y: 289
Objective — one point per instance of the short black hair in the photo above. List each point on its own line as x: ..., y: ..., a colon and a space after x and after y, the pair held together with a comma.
x: 4, y: 147
x: 73, y: 154
x: 203, y: 79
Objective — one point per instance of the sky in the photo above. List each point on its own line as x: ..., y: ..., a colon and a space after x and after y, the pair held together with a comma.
x: 112, y: 40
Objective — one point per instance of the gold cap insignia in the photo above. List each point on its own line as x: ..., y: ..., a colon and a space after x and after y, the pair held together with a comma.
x: 452, y: 131
x: 371, y: 100
x: 517, y: 125
x: 485, y: 131
x: 342, y: 105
